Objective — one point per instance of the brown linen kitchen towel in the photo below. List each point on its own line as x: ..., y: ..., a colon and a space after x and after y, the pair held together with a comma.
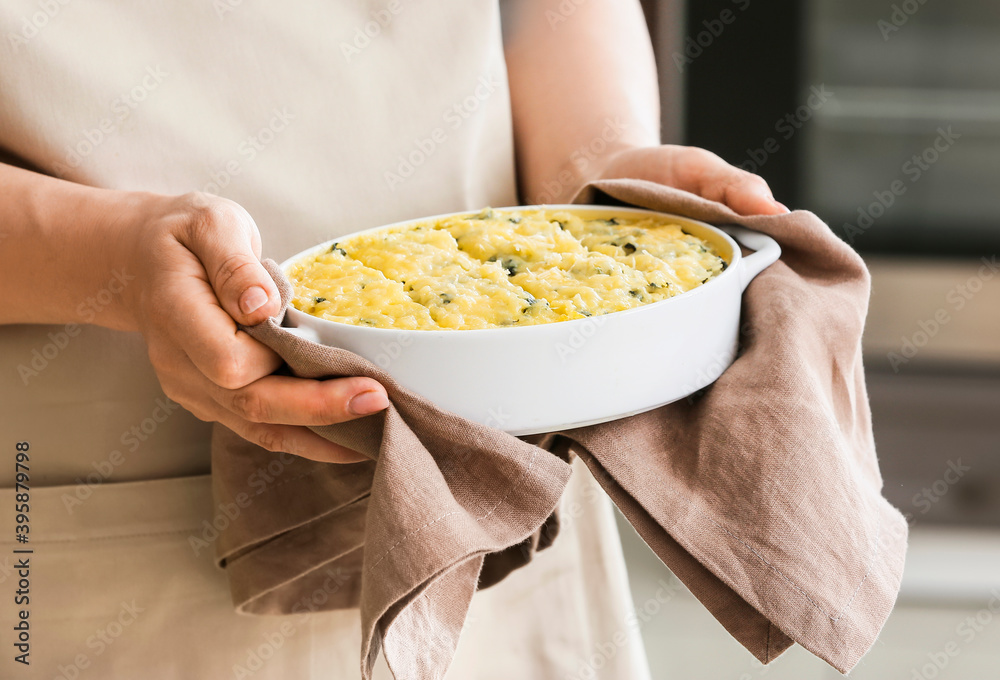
x: 403, y: 537
x: 762, y: 493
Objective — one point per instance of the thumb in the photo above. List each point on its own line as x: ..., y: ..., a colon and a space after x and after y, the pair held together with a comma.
x: 753, y: 202
x: 228, y: 247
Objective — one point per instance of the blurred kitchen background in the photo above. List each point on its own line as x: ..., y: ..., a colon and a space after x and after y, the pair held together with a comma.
x: 883, y: 117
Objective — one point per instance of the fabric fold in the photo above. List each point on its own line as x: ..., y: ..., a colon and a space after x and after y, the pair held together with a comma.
x: 449, y: 492
x: 761, y: 493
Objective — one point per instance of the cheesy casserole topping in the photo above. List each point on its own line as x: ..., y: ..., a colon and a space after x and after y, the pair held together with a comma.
x: 501, y: 268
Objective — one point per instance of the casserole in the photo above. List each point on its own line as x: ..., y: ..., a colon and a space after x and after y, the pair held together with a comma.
x: 541, y: 378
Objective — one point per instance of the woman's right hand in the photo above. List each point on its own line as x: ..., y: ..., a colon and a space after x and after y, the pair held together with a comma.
x: 196, y: 260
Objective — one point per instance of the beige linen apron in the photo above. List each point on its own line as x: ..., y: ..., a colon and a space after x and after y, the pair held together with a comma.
x: 320, y: 119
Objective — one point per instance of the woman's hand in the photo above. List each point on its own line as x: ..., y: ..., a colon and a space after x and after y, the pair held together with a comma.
x: 698, y: 171
x: 186, y: 271
x: 196, y: 260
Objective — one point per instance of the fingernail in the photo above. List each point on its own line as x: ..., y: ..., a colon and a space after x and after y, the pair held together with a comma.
x: 782, y: 206
x: 368, y: 402
x: 253, y: 298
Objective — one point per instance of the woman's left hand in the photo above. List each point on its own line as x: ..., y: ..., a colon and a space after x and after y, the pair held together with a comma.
x: 698, y: 171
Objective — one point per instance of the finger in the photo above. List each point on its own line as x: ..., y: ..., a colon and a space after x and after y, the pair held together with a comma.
x: 183, y: 381
x: 748, y: 198
x: 707, y: 174
x: 296, y: 401
x: 224, y: 237
x: 185, y: 385
x: 298, y: 441
x: 211, y: 340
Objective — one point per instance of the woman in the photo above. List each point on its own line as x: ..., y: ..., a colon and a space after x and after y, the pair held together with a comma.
x: 123, y: 286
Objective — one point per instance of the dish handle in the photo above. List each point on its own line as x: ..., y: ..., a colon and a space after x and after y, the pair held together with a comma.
x: 767, y: 252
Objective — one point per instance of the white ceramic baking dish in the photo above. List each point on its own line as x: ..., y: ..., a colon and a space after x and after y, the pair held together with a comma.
x: 555, y: 376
